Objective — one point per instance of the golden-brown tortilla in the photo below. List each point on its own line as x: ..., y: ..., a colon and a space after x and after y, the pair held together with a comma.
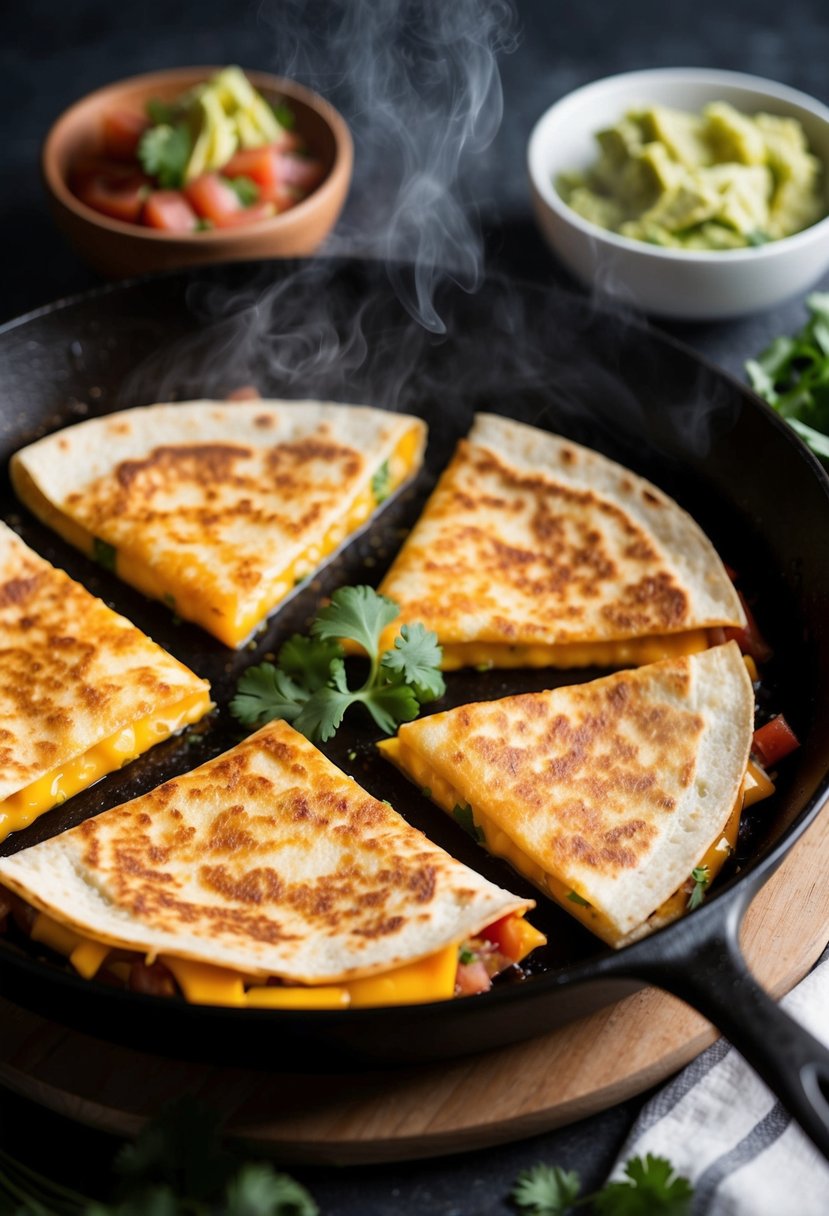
x: 268, y: 860
x: 72, y: 671
x: 531, y: 540
x: 615, y: 788
x: 215, y: 507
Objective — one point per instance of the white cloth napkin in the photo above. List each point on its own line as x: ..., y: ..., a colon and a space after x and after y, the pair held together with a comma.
x: 723, y: 1129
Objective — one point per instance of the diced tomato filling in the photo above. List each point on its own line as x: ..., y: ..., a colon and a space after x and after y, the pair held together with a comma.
x: 120, y: 195
x: 472, y: 978
x: 774, y: 741
x: 170, y: 211
x: 506, y: 935
x: 212, y: 197
x: 750, y: 639
x: 122, y: 130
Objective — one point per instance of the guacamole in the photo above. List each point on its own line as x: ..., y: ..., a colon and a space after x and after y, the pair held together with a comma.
x: 715, y: 180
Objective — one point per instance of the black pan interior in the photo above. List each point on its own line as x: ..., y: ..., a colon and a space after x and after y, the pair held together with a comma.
x: 335, y: 330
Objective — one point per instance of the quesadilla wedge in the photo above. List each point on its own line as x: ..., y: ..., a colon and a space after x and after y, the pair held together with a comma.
x: 536, y: 552
x: 218, y: 508
x: 266, y: 878
x: 606, y: 795
x: 82, y: 691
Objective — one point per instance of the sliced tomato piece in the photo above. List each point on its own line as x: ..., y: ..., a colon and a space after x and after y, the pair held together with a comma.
x: 122, y: 130
x: 750, y: 639
x: 301, y: 172
x: 246, y: 215
x: 170, y: 211
x: 506, y: 934
x: 212, y: 197
x: 774, y: 741
x: 259, y: 164
x: 119, y: 196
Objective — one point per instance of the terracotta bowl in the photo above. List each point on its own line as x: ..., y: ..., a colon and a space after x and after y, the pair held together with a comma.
x: 115, y: 248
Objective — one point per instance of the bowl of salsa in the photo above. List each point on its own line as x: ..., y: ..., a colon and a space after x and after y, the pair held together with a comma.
x: 197, y: 165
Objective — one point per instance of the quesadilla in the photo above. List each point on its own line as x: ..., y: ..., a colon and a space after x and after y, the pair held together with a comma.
x: 267, y: 878
x: 534, y: 552
x: 218, y: 508
x: 82, y: 691
x: 607, y: 795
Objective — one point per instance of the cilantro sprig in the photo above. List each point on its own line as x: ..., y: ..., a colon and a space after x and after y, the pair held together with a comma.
x: 792, y: 375
x: 309, y: 688
x: 650, y: 1187
x: 164, y: 151
x: 701, y: 877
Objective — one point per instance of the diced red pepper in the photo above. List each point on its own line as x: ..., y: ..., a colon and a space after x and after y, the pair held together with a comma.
x: 750, y: 639
x: 774, y: 741
x: 170, y: 211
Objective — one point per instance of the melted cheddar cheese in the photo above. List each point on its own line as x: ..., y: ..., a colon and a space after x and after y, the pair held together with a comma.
x: 626, y: 652
x: 22, y: 808
x: 428, y: 979
x: 234, y: 620
x: 756, y: 785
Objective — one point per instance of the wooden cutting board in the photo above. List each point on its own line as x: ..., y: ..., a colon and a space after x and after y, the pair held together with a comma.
x: 434, y: 1109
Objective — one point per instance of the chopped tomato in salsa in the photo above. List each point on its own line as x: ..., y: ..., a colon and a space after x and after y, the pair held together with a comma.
x: 774, y: 741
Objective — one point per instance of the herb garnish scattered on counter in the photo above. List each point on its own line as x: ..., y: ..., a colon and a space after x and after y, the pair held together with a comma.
x: 792, y: 374
x: 308, y: 686
x: 650, y: 1188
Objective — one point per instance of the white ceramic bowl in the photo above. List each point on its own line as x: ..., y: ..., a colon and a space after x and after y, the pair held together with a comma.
x: 681, y: 284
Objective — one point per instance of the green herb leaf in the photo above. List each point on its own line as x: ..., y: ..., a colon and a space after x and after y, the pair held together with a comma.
x: 417, y: 656
x: 284, y: 115
x: 466, y: 955
x: 356, y: 613
x: 308, y: 660
x: 160, y: 112
x: 164, y: 152
x: 701, y: 879
x: 546, y: 1190
x: 264, y: 693
x: 381, y: 483
x: 391, y: 704
x: 462, y: 814
x: 575, y: 898
x: 257, y: 1190
x: 245, y: 189
x: 651, y: 1188
x: 105, y: 554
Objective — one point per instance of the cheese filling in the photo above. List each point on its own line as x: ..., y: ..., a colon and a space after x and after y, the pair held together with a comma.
x: 23, y: 807
x: 234, y: 619
x: 756, y: 785
x: 624, y: 652
x: 428, y: 979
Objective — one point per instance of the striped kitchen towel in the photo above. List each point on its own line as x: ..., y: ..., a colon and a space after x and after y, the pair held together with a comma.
x: 721, y: 1127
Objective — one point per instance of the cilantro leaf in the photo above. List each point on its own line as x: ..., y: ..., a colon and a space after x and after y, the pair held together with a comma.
x: 245, y: 189
x: 391, y: 704
x: 309, y: 660
x: 264, y: 693
x: 417, y: 655
x: 164, y: 151
x: 104, y: 553
x: 651, y: 1188
x: 546, y: 1190
x: 356, y: 613
x: 575, y: 898
x: 257, y: 1190
x: 701, y: 877
x: 284, y: 115
x: 381, y: 483
x: 462, y: 814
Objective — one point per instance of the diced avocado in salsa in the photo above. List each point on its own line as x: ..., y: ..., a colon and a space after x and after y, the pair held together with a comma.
x: 715, y: 180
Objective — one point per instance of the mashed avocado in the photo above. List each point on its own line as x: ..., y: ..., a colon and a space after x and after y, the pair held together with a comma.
x: 717, y: 180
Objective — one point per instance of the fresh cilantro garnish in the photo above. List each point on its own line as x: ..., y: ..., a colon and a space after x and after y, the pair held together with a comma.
x: 284, y: 115
x: 160, y: 112
x: 257, y: 1190
x: 381, y: 483
x: 701, y: 879
x: 465, y: 955
x: 758, y: 238
x: 546, y: 1190
x: 575, y: 898
x: 245, y: 189
x: 462, y: 814
x: 650, y: 1188
x: 164, y: 152
x: 792, y: 374
x: 309, y: 687
x: 104, y: 553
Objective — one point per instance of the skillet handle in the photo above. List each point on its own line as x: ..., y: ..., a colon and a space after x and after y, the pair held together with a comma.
x: 706, y: 969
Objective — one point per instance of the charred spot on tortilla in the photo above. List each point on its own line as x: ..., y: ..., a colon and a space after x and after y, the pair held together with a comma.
x: 534, y: 551
x: 221, y: 508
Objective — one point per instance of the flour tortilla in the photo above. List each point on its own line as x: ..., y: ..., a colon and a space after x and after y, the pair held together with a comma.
x: 616, y: 787
x: 268, y: 860
x: 215, y: 499
x: 72, y: 672
x: 532, y: 539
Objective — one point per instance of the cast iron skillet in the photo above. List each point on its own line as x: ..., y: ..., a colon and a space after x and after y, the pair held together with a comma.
x: 336, y: 330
